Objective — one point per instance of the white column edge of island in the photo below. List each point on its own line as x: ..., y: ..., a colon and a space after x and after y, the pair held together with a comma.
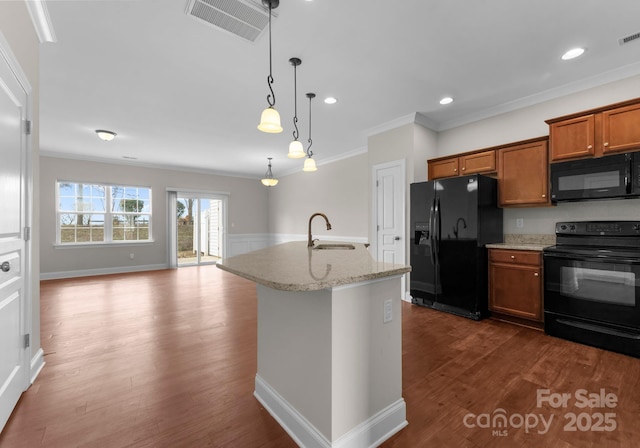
x: 329, y: 342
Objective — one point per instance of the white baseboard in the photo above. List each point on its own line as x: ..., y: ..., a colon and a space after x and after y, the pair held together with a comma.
x: 378, y: 428
x: 37, y: 363
x: 370, y: 433
x: 298, y: 427
x: 101, y: 271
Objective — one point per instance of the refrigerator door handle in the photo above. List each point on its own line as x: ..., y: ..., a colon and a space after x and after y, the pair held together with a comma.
x: 432, y: 223
x: 439, y: 224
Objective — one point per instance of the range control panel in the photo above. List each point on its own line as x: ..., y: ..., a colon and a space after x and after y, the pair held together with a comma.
x: 599, y: 228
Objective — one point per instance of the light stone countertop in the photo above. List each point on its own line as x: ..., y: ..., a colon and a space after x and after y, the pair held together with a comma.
x: 535, y: 242
x: 295, y: 267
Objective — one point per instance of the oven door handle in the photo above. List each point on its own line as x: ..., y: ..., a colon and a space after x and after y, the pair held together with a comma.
x: 599, y: 329
x: 604, y: 259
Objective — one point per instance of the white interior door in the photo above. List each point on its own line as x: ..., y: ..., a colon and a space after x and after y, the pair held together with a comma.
x: 14, y: 359
x: 390, y: 211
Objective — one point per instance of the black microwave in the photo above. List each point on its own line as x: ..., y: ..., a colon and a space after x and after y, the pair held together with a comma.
x: 609, y: 177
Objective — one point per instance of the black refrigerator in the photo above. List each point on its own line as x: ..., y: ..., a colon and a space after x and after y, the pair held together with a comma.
x: 451, y: 221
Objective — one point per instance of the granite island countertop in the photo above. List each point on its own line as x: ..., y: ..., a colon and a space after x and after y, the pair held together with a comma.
x: 295, y: 267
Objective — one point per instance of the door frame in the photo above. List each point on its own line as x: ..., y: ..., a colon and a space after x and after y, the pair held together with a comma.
x: 31, y: 367
x: 173, y: 194
x: 402, y: 164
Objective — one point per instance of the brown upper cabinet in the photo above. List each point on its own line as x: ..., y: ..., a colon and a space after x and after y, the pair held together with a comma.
x: 482, y: 162
x: 523, y: 174
x: 594, y: 133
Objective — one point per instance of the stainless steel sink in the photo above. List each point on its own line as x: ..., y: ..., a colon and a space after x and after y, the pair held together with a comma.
x: 330, y: 246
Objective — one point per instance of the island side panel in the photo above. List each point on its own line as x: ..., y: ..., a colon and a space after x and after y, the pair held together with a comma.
x: 367, y: 359
x: 294, y: 350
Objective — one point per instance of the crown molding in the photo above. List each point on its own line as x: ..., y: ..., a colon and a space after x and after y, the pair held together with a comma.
x: 41, y: 20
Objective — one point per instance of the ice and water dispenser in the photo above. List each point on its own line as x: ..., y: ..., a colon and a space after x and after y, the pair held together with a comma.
x: 421, y: 234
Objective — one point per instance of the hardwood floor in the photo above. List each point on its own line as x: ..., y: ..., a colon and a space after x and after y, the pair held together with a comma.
x: 168, y: 358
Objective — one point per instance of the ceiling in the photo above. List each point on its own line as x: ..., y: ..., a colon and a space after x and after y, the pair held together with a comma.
x: 183, y: 94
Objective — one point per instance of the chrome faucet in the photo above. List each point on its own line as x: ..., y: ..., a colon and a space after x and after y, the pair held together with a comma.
x: 310, y: 238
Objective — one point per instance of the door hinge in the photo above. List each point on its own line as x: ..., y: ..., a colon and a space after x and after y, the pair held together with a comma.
x: 27, y: 127
x: 27, y: 233
x: 27, y: 340
x: 377, y: 183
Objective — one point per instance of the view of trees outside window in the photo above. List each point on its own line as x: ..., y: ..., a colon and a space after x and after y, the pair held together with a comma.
x: 93, y: 213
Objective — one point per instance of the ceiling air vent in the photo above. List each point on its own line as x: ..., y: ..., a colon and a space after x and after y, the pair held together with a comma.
x: 244, y: 18
x: 626, y: 40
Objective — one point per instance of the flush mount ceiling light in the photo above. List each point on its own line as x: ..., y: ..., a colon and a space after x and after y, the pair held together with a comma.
x: 330, y: 100
x: 446, y: 100
x: 296, y: 150
x: 270, y: 118
x: 268, y: 180
x: 309, y: 163
x: 107, y: 136
x: 573, y: 53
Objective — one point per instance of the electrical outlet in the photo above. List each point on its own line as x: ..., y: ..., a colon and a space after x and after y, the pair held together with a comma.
x: 388, y: 311
x: 519, y: 223
x: 132, y: 256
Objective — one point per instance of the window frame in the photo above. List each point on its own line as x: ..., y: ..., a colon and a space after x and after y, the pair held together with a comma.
x: 109, y: 213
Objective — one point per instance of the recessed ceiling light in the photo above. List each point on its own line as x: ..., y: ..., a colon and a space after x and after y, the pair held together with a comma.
x: 330, y: 99
x: 107, y: 136
x: 573, y: 53
x: 446, y: 100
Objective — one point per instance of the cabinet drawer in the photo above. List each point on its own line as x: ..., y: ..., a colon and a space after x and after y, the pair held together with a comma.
x: 511, y: 256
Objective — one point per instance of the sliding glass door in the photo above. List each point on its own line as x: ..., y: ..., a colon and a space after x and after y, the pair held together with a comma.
x: 199, y: 229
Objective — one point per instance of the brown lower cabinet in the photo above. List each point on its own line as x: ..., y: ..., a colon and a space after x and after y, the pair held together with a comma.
x: 515, y: 286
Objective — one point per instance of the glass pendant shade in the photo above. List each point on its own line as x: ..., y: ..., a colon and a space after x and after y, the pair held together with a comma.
x: 270, y: 121
x: 310, y: 165
x: 268, y: 180
x: 296, y: 150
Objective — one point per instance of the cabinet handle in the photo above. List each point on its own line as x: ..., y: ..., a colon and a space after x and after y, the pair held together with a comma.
x: 544, y: 195
x: 463, y: 168
x: 513, y: 257
x: 535, y: 274
x: 455, y: 170
x: 606, y: 143
x: 590, y: 147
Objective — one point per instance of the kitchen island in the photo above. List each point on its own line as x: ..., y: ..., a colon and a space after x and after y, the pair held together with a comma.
x: 329, y: 342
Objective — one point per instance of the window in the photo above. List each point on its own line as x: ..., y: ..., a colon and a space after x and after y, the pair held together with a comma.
x: 93, y: 213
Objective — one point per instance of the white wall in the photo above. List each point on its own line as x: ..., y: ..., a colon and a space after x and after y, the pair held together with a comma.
x: 17, y: 29
x: 528, y: 123
x: 339, y: 190
x: 247, y: 214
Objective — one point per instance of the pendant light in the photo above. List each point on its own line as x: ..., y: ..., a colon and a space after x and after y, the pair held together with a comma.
x: 309, y: 163
x: 296, y: 150
x: 270, y: 118
x: 268, y: 180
